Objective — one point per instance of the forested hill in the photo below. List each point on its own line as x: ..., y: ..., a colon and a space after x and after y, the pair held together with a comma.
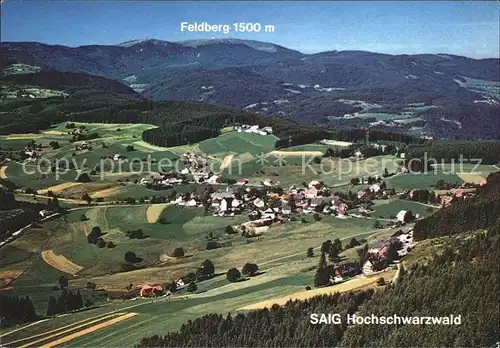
x: 67, y: 80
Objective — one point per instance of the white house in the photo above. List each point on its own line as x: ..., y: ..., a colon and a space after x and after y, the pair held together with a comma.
x: 192, y: 203
x: 404, y: 215
x: 180, y: 284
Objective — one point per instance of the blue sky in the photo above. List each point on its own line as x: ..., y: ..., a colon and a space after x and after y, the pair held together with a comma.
x: 468, y: 28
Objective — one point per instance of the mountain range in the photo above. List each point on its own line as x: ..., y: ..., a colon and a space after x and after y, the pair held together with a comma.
x: 270, y: 79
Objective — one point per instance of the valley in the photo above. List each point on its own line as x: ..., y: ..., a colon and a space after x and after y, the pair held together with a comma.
x: 119, y: 199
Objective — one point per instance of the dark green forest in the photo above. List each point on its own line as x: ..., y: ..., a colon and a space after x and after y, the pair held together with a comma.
x: 452, y: 150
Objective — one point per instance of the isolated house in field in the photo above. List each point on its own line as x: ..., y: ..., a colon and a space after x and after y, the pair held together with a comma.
x: 147, y: 290
x: 405, y: 216
x: 118, y: 157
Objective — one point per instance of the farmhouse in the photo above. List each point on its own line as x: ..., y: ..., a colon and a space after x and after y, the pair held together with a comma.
x: 405, y: 216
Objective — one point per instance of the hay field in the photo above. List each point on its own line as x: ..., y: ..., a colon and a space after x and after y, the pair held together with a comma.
x: 60, y: 262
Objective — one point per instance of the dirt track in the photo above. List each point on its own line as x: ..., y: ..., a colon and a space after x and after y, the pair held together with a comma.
x: 2, y: 172
x: 154, y: 211
x: 60, y: 262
